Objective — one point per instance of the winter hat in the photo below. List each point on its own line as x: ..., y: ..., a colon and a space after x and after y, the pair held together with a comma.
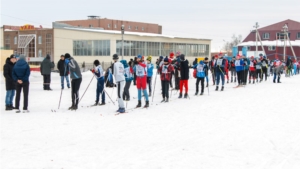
x: 149, y: 58
x: 161, y: 58
x: 261, y: 54
x: 48, y: 57
x: 96, y: 62
x: 171, y: 55
x: 12, y: 56
x: 22, y: 57
x: 166, y: 59
x: 216, y: 56
x: 252, y: 57
x: 115, y: 57
x: 67, y: 55
x: 178, y: 53
x: 182, y: 57
x: 265, y: 57
x: 139, y: 56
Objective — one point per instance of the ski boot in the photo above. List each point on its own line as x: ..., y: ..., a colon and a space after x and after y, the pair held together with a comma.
x: 185, y: 95
x: 222, y: 89
x: 122, y: 110
x: 163, y: 100
x: 147, y: 104
x: 71, y: 108
x: 206, y: 84
x: 180, y: 96
x: 167, y: 100
x: 196, y: 93
x: 139, y: 104
x: 201, y: 93
x: 217, y: 88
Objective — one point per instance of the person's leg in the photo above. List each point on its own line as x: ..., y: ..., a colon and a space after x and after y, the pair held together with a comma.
x: 223, y: 79
x: 120, y: 90
x: 7, y: 97
x: 68, y: 81
x: 62, y: 79
x: 144, y: 87
x: 73, y: 82
x: 218, y: 78
x: 49, y: 80
x: 167, y: 89
x: 202, y: 85
x: 98, y: 91
x: 163, y: 89
x: 18, y: 95
x: 25, y: 86
x: 125, y: 93
x: 181, y: 86
x: 186, y: 83
x: 102, y: 90
x: 12, y: 97
x: 77, y: 87
x: 197, y: 85
x: 44, y: 82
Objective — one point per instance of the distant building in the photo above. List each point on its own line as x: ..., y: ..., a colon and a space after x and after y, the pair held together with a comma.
x: 113, y: 24
x: 273, y: 39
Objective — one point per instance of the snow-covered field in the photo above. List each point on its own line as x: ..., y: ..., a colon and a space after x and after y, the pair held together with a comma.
x: 256, y: 127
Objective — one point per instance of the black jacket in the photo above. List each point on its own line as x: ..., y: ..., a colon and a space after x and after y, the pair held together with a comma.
x: 63, y: 68
x: 46, y: 66
x: 7, y: 72
x: 184, y: 70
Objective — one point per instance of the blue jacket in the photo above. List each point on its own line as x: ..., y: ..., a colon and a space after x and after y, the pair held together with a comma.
x: 149, y: 70
x: 21, y: 71
x: 246, y: 63
x: 127, y: 73
x: 201, y: 69
x: 239, y: 65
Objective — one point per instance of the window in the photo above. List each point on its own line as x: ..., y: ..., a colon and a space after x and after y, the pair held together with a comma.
x: 40, y: 53
x: 116, y: 26
x: 49, y: 44
x: 91, y: 48
x: 90, y: 26
x: 136, y: 28
x: 281, y: 36
x: 15, y: 40
x: 7, y: 42
x: 266, y: 36
x: 129, y: 27
x: 108, y: 25
x: 271, y: 48
x: 142, y: 28
x: 40, y: 39
x: 298, y: 35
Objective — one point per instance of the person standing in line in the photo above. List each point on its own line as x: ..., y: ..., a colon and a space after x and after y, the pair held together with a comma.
x: 165, y: 76
x: 9, y: 82
x: 149, y: 74
x: 20, y: 74
x: 239, y: 67
x: 201, y: 69
x: 63, y: 71
x: 99, y: 74
x: 264, y: 64
x: 118, y: 72
x: 128, y: 73
x: 184, y: 76
x: 45, y: 69
x: 141, y: 81
x: 252, y: 68
x: 206, y: 63
x: 176, y: 65
x: 76, y: 77
x: 232, y: 70
x: 219, y: 70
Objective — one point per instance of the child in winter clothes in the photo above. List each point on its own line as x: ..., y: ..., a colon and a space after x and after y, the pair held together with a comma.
x: 149, y: 74
x: 128, y: 72
x: 219, y: 71
x: 184, y: 75
x: 141, y: 80
x: 258, y: 70
x: 252, y: 68
x: 239, y: 68
x: 201, y: 74
x: 232, y: 69
x: 118, y: 72
x: 165, y: 76
x: 98, y: 72
x: 206, y: 62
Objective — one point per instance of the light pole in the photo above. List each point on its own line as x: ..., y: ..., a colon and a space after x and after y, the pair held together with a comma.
x: 122, y: 30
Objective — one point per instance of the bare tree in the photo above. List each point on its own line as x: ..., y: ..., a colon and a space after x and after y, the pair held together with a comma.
x: 235, y: 40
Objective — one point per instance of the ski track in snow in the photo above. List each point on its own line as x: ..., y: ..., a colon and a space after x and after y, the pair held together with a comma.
x: 254, y: 127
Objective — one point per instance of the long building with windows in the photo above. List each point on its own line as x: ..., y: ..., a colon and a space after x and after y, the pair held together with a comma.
x: 88, y: 44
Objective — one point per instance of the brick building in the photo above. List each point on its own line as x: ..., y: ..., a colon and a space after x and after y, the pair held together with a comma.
x: 113, y: 24
x: 272, y: 38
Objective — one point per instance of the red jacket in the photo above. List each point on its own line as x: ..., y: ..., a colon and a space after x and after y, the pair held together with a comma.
x: 252, y: 65
x: 166, y: 73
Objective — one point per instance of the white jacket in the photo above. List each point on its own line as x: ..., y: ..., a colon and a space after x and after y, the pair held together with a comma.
x: 119, y: 72
x: 98, y: 71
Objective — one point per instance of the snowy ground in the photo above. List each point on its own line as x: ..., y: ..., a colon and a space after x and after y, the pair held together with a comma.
x: 256, y: 127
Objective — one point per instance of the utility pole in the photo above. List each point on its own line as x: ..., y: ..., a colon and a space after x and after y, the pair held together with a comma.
x: 256, y: 26
x: 285, y: 31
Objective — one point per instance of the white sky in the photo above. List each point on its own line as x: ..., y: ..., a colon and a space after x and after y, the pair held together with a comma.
x: 213, y: 19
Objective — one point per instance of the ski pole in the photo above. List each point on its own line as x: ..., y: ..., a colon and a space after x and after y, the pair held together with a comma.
x: 86, y: 88
x: 109, y: 96
x: 154, y: 86
x: 60, y: 98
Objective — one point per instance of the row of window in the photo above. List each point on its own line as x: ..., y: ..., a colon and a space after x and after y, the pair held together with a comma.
x: 116, y: 26
x: 133, y: 48
x: 7, y: 39
x: 270, y: 48
x: 279, y: 35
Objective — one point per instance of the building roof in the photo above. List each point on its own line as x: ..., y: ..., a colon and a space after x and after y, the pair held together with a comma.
x: 131, y: 33
x: 292, y: 25
x: 270, y: 43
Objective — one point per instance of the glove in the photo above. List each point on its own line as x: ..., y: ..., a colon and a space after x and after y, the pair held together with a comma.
x: 92, y: 70
x: 67, y: 61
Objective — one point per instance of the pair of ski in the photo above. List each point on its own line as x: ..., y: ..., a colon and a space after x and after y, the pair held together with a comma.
x: 127, y: 111
x: 24, y: 111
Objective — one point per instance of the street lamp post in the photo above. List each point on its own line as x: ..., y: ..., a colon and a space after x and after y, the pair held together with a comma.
x: 122, y: 30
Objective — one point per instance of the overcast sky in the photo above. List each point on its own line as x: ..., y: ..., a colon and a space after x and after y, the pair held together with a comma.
x: 213, y: 19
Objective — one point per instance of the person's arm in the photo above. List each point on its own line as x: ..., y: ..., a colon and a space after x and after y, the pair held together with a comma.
x: 58, y: 65
x: 6, y: 72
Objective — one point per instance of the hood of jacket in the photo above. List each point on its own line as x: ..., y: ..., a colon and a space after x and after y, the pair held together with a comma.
x: 21, y: 62
x: 124, y: 62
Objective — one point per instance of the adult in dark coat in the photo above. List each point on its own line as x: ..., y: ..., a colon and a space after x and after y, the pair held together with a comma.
x: 20, y: 74
x: 63, y: 71
x: 45, y: 69
x: 9, y: 82
x: 184, y: 75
